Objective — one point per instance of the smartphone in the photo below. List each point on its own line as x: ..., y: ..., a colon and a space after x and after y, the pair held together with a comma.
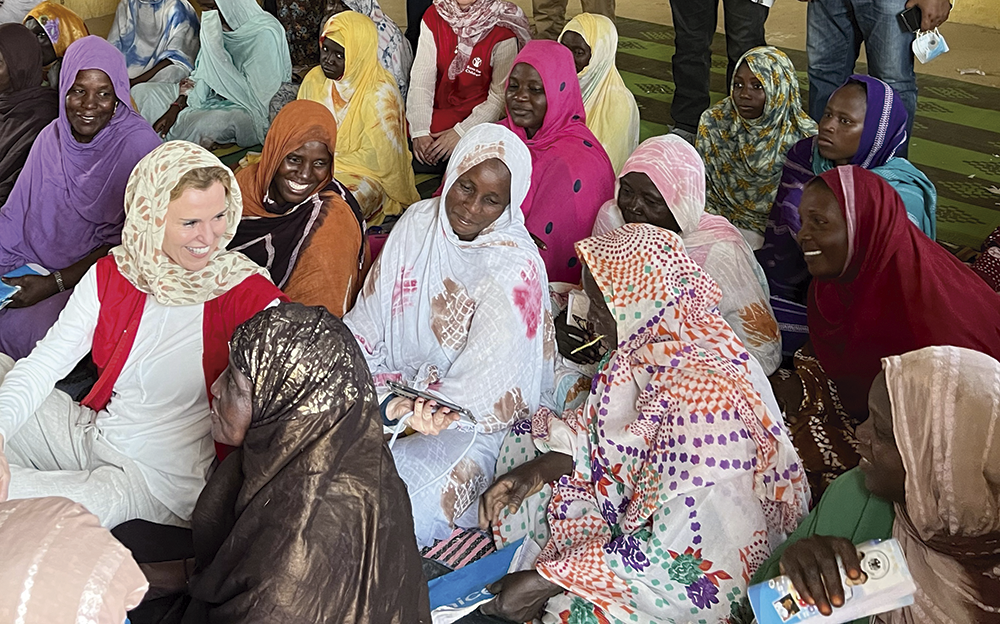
x: 407, y: 392
x: 909, y: 20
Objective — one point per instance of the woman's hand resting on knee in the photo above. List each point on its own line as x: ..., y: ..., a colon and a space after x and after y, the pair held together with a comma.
x: 526, y: 480
x: 427, y: 417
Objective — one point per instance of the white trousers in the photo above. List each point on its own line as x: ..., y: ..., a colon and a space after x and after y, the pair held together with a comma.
x: 58, y: 452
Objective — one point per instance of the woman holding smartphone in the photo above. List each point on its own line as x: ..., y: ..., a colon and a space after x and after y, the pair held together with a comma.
x: 457, y: 303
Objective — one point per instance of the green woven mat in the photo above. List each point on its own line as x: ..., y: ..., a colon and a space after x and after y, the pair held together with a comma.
x: 956, y: 138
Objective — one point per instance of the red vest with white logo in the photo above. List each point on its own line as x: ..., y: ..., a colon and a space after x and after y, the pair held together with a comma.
x: 121, y: 311
x: 455, y: 99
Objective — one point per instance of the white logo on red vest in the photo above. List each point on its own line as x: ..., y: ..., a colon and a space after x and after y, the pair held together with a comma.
x: 473, y: 67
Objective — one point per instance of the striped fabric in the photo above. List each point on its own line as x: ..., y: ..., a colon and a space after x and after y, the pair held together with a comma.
x: 460, y: 548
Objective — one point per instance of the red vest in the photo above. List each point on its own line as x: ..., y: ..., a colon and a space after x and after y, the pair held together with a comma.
x: 455, y: 99
x: 118, y: 323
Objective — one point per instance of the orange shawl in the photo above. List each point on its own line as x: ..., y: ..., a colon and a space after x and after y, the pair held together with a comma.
x: 329, y: 267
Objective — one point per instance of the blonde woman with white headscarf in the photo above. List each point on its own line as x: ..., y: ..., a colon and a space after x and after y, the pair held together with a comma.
x: 156, y: 314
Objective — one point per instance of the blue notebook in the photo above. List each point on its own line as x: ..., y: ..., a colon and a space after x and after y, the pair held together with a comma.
x: 7, y: 291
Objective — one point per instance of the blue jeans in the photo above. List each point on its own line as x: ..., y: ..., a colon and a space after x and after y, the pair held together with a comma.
x: 836, y: 29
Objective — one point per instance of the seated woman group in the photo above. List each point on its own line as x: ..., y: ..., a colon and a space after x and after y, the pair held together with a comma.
x: 460, y: 291
x: 864, y: 124
x: 242, y: 60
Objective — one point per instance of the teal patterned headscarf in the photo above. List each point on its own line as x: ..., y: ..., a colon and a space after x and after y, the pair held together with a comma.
x: 744, y: 157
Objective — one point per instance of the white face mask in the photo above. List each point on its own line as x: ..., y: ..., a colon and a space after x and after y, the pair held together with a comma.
x: 929, y: 45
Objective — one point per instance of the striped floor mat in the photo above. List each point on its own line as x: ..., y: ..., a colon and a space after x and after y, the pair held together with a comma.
x: 956, y: 133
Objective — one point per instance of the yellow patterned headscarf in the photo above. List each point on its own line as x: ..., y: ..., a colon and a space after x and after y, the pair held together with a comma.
x: 612, y: 114
x: 62, y: 25
x: 371, y: 126
x: 140, y: 257
x: 744, y: 157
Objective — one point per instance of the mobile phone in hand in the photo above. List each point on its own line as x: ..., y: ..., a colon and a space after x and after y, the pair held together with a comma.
x: 909, y: 20
x: 405, y: 391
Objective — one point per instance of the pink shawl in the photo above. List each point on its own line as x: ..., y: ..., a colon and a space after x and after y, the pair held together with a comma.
x: 571, y: 174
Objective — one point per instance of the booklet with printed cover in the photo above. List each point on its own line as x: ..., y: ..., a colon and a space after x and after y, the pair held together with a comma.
x: 885, y: 585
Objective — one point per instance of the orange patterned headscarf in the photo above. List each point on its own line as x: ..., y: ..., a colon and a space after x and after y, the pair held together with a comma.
x: 671, y: 336
x: 62, y: 25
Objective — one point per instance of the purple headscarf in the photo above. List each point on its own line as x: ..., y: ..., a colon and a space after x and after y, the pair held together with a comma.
x: 69, y: 198
x: 885, y: 124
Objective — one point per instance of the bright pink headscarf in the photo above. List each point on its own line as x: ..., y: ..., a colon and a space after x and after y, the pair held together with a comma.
x: 571, y: 173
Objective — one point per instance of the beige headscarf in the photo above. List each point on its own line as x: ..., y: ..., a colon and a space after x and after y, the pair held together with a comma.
x: 946, y: 420
x: 140, y: 257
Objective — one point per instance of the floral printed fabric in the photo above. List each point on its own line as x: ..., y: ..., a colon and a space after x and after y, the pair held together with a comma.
x: 683, y: 480
x: 140, y: 257
x: 744, y: 157
x: 469, y: 320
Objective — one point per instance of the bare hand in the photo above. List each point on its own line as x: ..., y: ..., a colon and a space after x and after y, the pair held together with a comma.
x: 520, y: 483
x: 421, y: 145
x: 4, y: 474
x: 933, y: 12
x: 569, y: 338
x: 34, y: 288
x: 427, y: 417
x: 166, y: 122
x: 520, y: 597
x: 811, y: 564
x: 444, y: 144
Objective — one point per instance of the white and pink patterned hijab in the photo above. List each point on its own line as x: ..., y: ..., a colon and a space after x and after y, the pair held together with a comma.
x: 469, y: 320
x: 140, y: 257
x: 476, y: 21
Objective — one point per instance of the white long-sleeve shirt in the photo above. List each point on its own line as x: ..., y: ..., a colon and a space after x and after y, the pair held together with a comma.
x: 158, y: 415
x: 423, y: 84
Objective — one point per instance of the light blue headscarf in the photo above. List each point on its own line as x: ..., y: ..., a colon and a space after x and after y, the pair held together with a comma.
x: 241, y: 65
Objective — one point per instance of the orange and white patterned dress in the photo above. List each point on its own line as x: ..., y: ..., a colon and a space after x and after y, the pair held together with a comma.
x: 683, y: 479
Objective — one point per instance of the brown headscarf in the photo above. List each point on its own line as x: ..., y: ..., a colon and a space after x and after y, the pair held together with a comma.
x: 946, y: 420
x: 321, y: 529
x: 26, y: 108
x: 315, y: 251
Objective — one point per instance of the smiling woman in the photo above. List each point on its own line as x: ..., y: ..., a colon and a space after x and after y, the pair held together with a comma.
x: 156, y: 315
x: 65, y: 211
x: 298, y: 221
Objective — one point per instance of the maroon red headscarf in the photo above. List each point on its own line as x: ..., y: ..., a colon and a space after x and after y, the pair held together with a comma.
x: 900, y: 291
